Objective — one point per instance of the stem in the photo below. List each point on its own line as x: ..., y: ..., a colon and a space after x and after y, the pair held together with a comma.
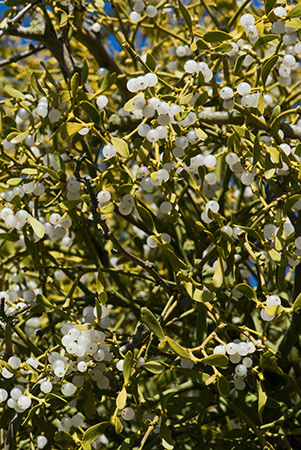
x: 248, y: 420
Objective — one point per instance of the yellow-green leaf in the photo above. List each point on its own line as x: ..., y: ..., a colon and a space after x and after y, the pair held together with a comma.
x: 154, y: 367
x: 217, y: 359
x: 297, y: 303
x: 121, y: 147
x: 127, y: 366
x: 295, y: 12
x: 37, y: 226
x: 218, y: 276
x: 274, y: 154
x: 117, y: 424
x: 73, y: 127
x: 150, y: 320
x: 121, y: 399
x: 216, y: 36
x: 273, y: 310
x: 19, y: 137
x: 94, y: 432
x: 262, y: 398
x: 181, y: 351
x: 74, y: 84
x: 15, y: 93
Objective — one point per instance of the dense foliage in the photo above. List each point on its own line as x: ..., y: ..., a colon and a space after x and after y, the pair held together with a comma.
x: 150, y: 224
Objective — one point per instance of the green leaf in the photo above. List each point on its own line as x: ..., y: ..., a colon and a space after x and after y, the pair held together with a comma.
x: 173, y: 259
x: 68, y: 205
x: 166, y: 436
x: 150, y: 320
x: 146, y: 217
x: 238, y: 63
x: 264, y: 40
x: 218, y: 276
x: 63, y: 436
x: 35, y: 84
x: 185, y: 14
x: 223, y: 386
x: 269, y: 361
x: 181, y: 351
x: 102, y: 298
x: 15, y: 93
x: 121, y: 147
x: 9, y: 237
x: 154, y: 367
x: 127, y: 366
x: 269, y: 5
x: 295, y: 12
x: 276, y: 111
x: 297, y: 303
x: 260, y: 104
x: 94, y: 432
x: 267, y: 67
x: 216, y: 36
x: 108, y: 80
x: 202, y: 45
x: 215, y: 360
x: 150, y: 62
x: 74, y: 84
x: 290, y: 202
x: 121, y: 398
x: 90, y: 110
x: 37, y: 226
x: 226, y: 47
x: 56, y: 399
x: 262, y: 398
x: 246, y: 290
x: 89, y: 405
x: 84, y: 72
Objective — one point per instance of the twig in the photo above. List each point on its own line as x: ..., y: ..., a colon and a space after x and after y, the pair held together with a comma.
x: 22, y: 55
x: 18, y: 16
x: 108, y: 234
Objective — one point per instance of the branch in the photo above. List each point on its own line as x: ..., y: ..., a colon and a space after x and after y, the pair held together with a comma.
x: 136, y: 340
x: 235, y: 118
x: 35, y: 49
x: 102, y: 56
x: 18, y: 16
